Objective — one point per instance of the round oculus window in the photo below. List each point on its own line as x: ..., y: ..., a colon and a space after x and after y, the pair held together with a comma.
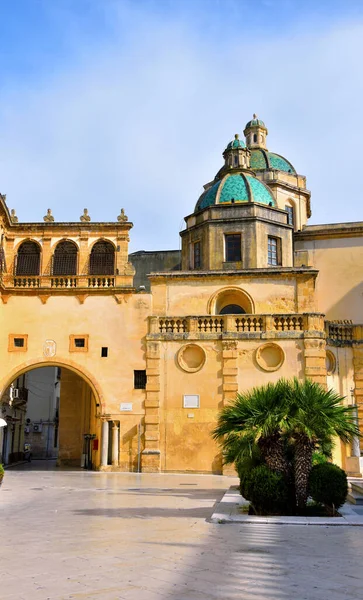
x: 191, y: 358
x: 270, y: 357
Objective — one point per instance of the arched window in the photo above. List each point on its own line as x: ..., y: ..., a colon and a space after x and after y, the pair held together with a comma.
x: 255, y: 137
x: 28, y: 259
x: 102, y: 259
x: 232, y: 309
x: 231, y: 301
x: 290, y: 214
x: 65, y: 259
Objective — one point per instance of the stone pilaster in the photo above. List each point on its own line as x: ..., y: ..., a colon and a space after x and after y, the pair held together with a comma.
x: 315, y: 360
x: 358, y: 380
x: 46, y: 256
x: 84, y: 251
x: 230, y: 381
x: 150, y: 457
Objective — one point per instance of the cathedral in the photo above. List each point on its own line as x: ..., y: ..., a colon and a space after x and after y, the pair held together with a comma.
x: 146, y: 348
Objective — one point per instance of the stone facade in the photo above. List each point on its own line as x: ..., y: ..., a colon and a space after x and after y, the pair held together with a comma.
x: 258, y: 295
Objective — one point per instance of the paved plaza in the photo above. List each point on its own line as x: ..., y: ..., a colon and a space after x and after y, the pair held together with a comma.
x: 84, y: 535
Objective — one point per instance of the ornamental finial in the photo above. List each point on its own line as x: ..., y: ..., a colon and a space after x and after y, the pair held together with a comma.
x: 85, y: 217
x: 255, y: 116
x: 122, y: 217
x: 236, y: 136
x: 48, y: 218
x: 13, y: 217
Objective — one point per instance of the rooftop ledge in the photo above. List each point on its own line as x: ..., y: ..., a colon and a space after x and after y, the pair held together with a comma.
x: 330, y: 229
x: 271, y: 271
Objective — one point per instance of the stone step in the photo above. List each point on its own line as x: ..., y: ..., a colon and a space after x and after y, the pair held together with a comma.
x: 355, y: 493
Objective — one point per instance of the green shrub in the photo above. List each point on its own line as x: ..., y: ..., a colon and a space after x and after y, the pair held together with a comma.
x: 328, y: 485
x: 2, y: 470
x: 319, y: 459
x: 267, y: 491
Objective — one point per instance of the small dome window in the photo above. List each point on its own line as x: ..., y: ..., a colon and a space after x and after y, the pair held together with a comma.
x: 255, y: 137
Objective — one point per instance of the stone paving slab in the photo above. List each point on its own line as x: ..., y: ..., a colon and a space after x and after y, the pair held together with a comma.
x: 229, y: 510
x: 112, y: 536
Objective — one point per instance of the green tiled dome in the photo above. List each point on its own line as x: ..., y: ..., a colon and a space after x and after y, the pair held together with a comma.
x: 236, y: 143
x: 235, y: 189
x: 255, y: 123
x: 262, y: 159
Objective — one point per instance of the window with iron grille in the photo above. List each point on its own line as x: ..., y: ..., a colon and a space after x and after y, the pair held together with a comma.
x: 102, y: 259
x: 233, y: 247
x: 19, y: 342
x: 139, y: 380
x: 79, y: 342
x: 197, y: 255
x: 65, y: 259
x: 273, y: 251
x: 28, y: 259
x: 290, y: 214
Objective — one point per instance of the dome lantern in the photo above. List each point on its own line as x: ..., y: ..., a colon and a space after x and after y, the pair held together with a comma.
x: 236, y: 155
x: 256, y: 132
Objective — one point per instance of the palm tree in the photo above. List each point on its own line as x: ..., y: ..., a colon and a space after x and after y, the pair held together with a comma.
x: 283, y: 418
x: 315, y: 417
x: 256, y: 417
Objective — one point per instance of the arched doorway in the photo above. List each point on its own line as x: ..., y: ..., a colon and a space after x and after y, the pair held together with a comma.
x: 55, y: 411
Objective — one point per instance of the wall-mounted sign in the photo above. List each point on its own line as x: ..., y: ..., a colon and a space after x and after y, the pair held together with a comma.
x: 125, y: 406
x: 191, y: 401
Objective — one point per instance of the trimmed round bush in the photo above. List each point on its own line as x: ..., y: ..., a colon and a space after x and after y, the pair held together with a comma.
x: 266, y: 490
x: 328, y: 485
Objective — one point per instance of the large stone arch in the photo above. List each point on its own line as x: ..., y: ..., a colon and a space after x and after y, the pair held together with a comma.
x: 55, y: 362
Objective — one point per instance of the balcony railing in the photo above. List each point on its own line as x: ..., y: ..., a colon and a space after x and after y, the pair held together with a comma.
x: 247, y: 325
x: 64, y: 282
x: 343, y: 333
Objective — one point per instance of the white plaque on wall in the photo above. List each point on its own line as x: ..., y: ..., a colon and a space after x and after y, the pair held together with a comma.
x: 125, y: 406
x: 191, y: 401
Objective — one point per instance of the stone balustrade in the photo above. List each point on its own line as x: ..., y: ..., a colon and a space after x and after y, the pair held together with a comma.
x: 64, y: 281
x: 343, y: 333
x: 275, y: 325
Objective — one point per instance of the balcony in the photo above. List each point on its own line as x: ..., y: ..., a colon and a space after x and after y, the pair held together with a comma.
x: 236, y: 326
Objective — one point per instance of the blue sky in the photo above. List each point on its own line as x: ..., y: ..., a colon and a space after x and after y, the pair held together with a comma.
x: 108, y: 104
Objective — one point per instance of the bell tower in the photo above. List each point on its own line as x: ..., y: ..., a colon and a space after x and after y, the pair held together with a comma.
x: 256, y: 132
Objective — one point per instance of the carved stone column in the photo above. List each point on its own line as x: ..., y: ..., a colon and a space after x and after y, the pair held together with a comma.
x: 150, y: 457
x: 115, y: 444
x: 230, y: 381
x: 104, y: 444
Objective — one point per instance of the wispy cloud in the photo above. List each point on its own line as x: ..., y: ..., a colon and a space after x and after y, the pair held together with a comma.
x: 139, y: 120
